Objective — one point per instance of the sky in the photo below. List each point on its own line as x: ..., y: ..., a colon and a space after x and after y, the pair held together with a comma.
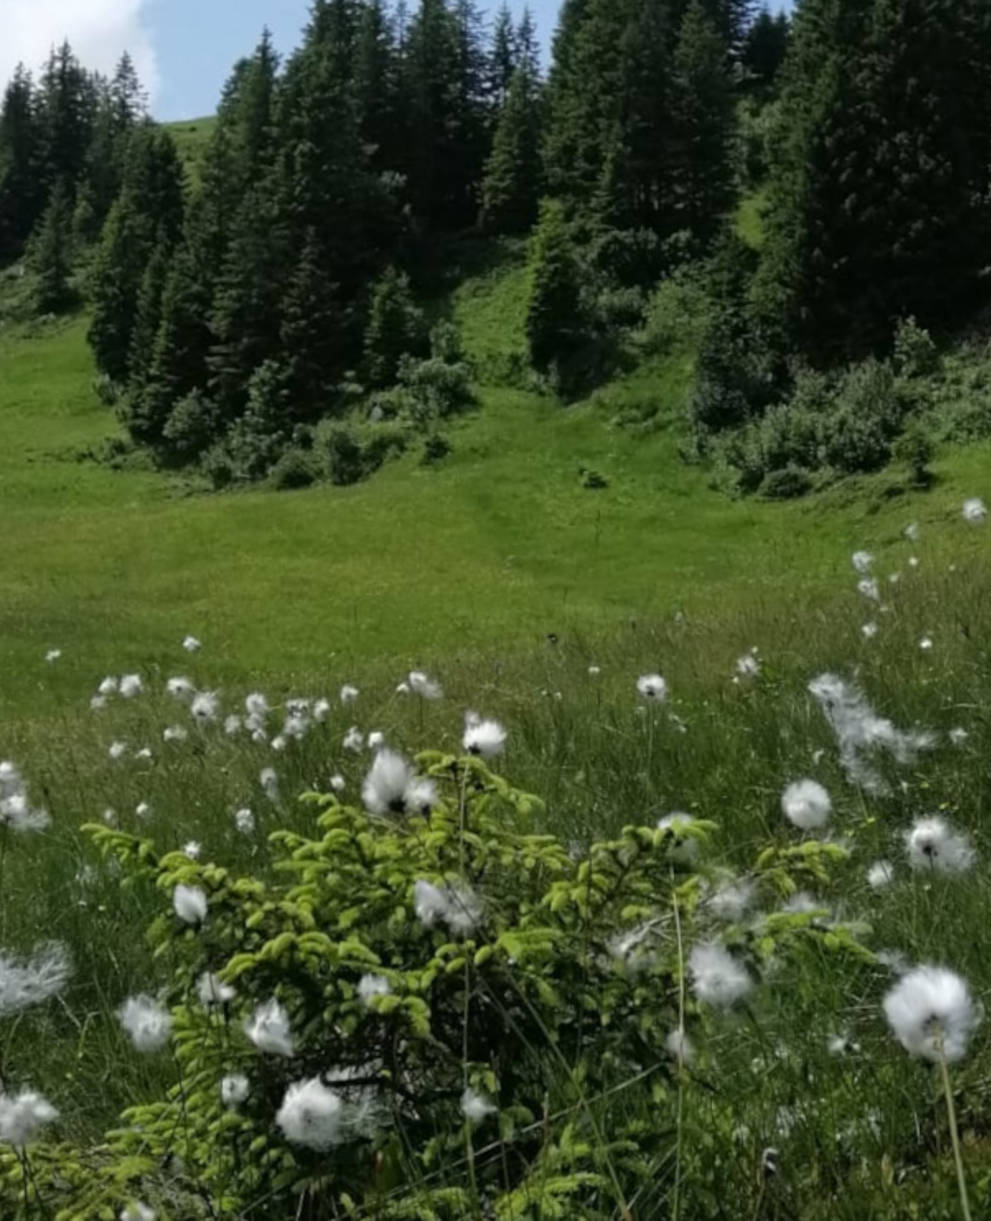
x: 183, y: 49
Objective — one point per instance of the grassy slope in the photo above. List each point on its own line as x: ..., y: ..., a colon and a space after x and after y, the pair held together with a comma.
x: 496, y: 547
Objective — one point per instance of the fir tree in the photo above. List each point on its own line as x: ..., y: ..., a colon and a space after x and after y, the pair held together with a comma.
x: 51, y: 258
x: 764, y: 48
x: 21, y: 151
x: 376, y: 87
x: 512, y: 185
x: 554, y: 322
x: 315, y: 332
x: 503, y: 57
x: 67, y: 104
x: 395, y: 328
x: 149, y: 311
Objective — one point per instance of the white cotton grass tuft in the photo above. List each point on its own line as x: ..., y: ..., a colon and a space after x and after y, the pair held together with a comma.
x: 321, y: 710
x: 862, y: 562
x: 868, y: 588
x: 730, y: 899
x: 311, y: 1115
x: 376, y: 739
x: 679, y: 1046
x: 147, y: 1023
x: 53, y: 655
x: 453, y: 904
x: 475, y: 1107
x: 483, y: 737
x: 16, y: 810
x: 256, y: 704
x: 130, y: 686
x: 392, y: 787
x: 191, y: 644
x: 806, y: 804
x: 174, y: 733
x: 234, y: 1089
x: 880, y: 875
x: 652, y: 687
x: 860, y: 731
x: 205, y: 706
x: 97, y: 702
x: 109, y: 686
x: 748, y: 665
x: 213, y: 991
x: 974, y: 510
x: 142, y: 810
x: 354, y: 740
x: 117, y: 750
x: 244, y: 821
x: 233, y: 725
x: 402, y: 688
x: 683, y: 847
x: 268, y: 1029
x: 371, y: 986
x: 958, y: 736
x: 911, y: 531
x: 926, y: 644
x: 181, y: 689
x: 193, y: 849
x: 423, y: 686
x: 269, y: 781
x: 137, y: 1211
x: 349, y: 694
x: 717, y: 977
x: 932, y: 1014
x: 869, y: 630
x: 337, y: 783
x: 932, y: 844
x: 189, y: 904
x: 22, y: 1116
x: 27, y: 981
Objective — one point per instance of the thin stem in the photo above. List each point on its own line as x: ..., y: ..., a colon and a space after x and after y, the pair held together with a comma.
x: 469, y: 1144
x: 676, y: 1203
x: 951, y: 1114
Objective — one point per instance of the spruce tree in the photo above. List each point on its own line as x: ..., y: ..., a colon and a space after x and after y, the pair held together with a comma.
x: 67, y: 105
x: 315, y: 332
x: 376, y: 85
x: 764, y: 48
x: 503, y: 57
x: 554, y: 322
x: 511, y: 187
x: 395, y: 328
x: 51, y: 255
x: 21, y: 151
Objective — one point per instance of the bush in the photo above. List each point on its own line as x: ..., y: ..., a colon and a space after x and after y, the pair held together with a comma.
x: 787, y: 483
x: 915, y: 449
x: 436, y: 389
x: 345, y: 462
x: 192, y: 425
x: 915, y: 353
x: 435, y: 447
x: 294, y: 469
x: 459, y: 991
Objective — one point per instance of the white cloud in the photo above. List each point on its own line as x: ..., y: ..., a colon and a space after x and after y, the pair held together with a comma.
x: 99, y: 31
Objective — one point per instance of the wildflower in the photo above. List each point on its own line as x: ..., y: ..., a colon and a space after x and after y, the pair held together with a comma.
x: 862, y: 561
x: 958, y: 736
x: 136, y: 1211
x: 174, y: 733
x: 234, y: 1090
x: 931, y: 844
x: 278, y: 743
x: 321, y: 710
x: 931, y: 1013
x: 684, y: 848
x: 420, y: 795
x: 232, y: 725
x: 806, y: 804
x: 384, y: 789
x: 29, y: 981
x: 110, y: 817
x: 268, y: 1029
x: 679, y: 1046
x: 426, y: 688
x: 22, y: 1117
x: 269, y: 782
x: 880, y: 874
x: 310, y: 1115
x: 259, y: 737
x: 974, y: 510
x: 205, y: 706
x: 354, y: 740
x: 117, y: 750
x: 181, y: 689
x: 894, y: 578
x: 859, y: 729
x: 652, y: 687
x: 53, y: 655
x: 97, y: 702
x: 213, y: 991
x: 143, y: 753
x: 453, y: 905
x: 131, y: 685
x: 337, y: 782
x: 869, y: 630
x: 193, y: 850
x: 148, y: 1024
x: 911, y: 531
x: 717, y: 976
x: 429, y: 903
x: 142, y: 809
x: 370, y: 986
x: 926, y: 644
x: 594, y: 671
x: 402, y: 689
x: 189, y: 903
x: 486, y: 738
x: 747, y: 665
x: 475, y: 1106
x: 17, y: 813
x: 244, y: 820
x: 348, y: 694
x: 730, y: 900
x: 255, y: 704
x: 869, y: 588
x: 109, y: 686
x: 913, y: 561
x: 840, y: 1044
x: 376, y: 739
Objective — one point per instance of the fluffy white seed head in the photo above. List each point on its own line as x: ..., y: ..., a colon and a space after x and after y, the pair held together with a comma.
x: 213, y: 991
x: 475, y: 1106
x: 869, y: 630
x: 349, y: 694
x: 486, y: 738
x: 191, y: 644
x: 958, y: 736
x: 926, y: 644
x: 33, y: 979
x: 384, y: 788
x: 109, y: 686
x: 454, y: 905
x: 181, y: 689
x: 679, y: 1046
x: 730, y: 899
x: 310, y: 1115
x: 747, y: 665
x: 370, y: 986
x: 376, y: 739
x: 193, y: 849
x: 717, y: 977
x: 22, y: 1116
x: 137, y: 1211
x: 147, y: 1023
x: 321, y: 710
x: 806, y: 804
x: 425, y: 687
x: 234, y: 1089
x: 683, y: 848
x: 97, y: 702
x: 175, y: 733
x: 269, y: 782
x: 142, y: 810
x: 117, y: 750
x: 911, y: 531
x: 268, y: 1029
x: 652, y: 687
x: 862, y: 561
x: 189, y: 903
x: 868, y: 588
x: 931, y: 1012
x: 354, y: 740
x: 974, y: 510
x: 932, y: 844
x: 256, y: 705
x: 130, y: 686
x: 17, y: 813
x: 244, y: 820
x: 232, y: 725
x: 880, y: 875
x: 337, y: 783
x: 205, y: 706
x: 53, y: 655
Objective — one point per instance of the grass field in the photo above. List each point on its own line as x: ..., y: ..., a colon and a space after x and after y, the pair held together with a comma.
x: 466, y: 569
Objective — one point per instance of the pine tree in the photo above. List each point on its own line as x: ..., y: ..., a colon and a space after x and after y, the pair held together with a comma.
x: 503, y: 58
x: 376, y: 87
x: 395, y: 328
x: 512, y: 185
x: 315, y: 332
x: 21, y: 150
x: 51, y: 256
x: 67, y: 104
x: 764, y: 48
x: 554, y: 323
x: 703, y: 127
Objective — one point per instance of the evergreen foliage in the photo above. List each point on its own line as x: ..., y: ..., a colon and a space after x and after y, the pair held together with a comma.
x: 51, y: 254
x: 511, y: 187
x: 395, y: 328
x: 554, y: 321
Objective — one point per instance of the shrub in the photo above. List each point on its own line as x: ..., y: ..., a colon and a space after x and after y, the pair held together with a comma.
x: 294, y: 469
x: 436, y: 389
x: 435, y: 447
x: 192, y: 424
x: 395, y: 328
x: 915, y: 449
x: 915, y: 354
x: 345, y: 462
x: 788, y: 483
